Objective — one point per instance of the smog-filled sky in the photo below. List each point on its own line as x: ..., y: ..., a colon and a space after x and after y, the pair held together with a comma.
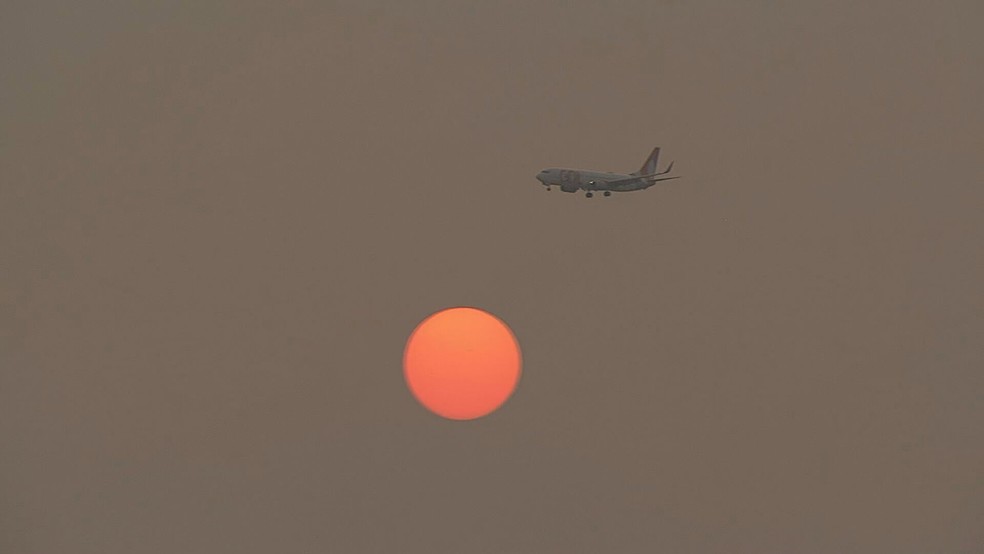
x: 221, y: 220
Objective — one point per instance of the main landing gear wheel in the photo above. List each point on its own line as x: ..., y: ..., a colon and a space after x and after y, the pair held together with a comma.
x: 589, y: 195
x: 548, y: 189
x: 608, y: 193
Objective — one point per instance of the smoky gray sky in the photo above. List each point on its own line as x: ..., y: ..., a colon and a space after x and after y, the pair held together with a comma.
x: 220, y: 221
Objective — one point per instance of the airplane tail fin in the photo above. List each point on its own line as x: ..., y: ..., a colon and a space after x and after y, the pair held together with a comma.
x: 649, y: 166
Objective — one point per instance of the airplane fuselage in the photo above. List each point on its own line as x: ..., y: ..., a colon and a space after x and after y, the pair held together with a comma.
x: 573, y: 180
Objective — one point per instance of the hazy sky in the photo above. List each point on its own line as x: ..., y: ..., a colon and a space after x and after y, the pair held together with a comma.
x: 220, y: 221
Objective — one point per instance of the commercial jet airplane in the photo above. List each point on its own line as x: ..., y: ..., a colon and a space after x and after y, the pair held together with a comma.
x: 573, y: 180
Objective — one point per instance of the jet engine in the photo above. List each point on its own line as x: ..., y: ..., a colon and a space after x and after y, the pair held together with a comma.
x: 568, y: 187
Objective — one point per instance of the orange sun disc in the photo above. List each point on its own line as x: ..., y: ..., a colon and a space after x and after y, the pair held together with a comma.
x: 462, y: 363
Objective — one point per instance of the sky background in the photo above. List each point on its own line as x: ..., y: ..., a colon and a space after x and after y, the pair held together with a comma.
x: 221, y: 220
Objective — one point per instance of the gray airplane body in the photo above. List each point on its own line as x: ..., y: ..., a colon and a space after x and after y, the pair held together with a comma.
x: 573, y: 180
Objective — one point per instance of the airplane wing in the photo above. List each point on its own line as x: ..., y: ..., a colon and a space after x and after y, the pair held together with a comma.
x: 664, y: 179
x: 648, y: 178
x: 645, y: 177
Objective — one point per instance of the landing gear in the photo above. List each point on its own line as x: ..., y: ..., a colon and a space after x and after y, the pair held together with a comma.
x: 608, y: 193
x: 589, y: 195
x: 548, y: 189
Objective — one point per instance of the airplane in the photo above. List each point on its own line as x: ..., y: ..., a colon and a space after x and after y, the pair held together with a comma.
x: 573, y: 180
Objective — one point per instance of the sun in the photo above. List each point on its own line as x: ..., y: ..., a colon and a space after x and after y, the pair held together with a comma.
x: 462, y: 363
